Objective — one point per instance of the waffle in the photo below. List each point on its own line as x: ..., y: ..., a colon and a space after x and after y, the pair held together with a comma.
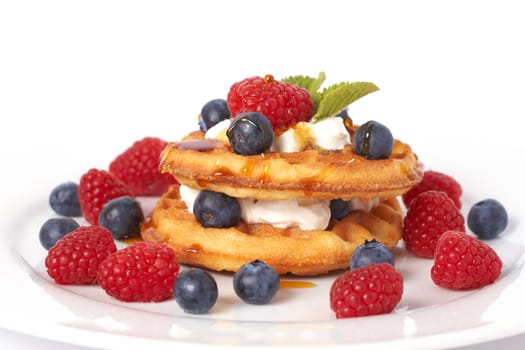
x: 288, y: 250
x: 312, y: 173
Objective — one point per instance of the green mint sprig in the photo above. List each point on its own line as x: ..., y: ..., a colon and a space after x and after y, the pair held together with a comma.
x: 334, y: 98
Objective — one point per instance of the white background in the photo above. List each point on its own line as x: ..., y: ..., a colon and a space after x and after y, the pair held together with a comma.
x: 80, y: 81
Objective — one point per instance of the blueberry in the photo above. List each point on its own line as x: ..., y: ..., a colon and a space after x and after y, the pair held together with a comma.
x: 371, y: 252
x: 339, y: 208
x: 195, y: 291
x: 250, y: 133
x: 373, y: 140
x: 215, y: 209
x: 54, y: 229
x: 343, y: 114
x: 346, y: 119
x: 487, y: 218
x: 122, y: 216
x: 256, y: 282
x: 212, y: 113
x: 64, y: 199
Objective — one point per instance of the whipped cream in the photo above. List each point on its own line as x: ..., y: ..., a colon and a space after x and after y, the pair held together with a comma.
x: 218, y: 131
x: 329, y: 133
x: 188, y: 195
x: 308, y: 214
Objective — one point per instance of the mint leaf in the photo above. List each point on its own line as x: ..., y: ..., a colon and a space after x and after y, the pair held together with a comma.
x: 311, y: 84
x: 338, y: 96
x: 308, y: 83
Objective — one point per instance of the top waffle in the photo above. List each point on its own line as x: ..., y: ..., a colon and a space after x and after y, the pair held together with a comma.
x: 311, y: 173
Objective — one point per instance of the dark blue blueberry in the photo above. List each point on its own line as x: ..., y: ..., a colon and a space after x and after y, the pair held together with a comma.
x: 343, y: 114
x: 250, y: 133
x: 64, y: 199
x: 195, y: 291
x: 371, y: 252
x: 212, y: 113
x: 54, y: 229
x: 373, y: 140
x: 339, y: 208
x: 122, y: 216
x: 215, y: 209
x: 346, y: 119
x: 487, y: 219
x: 256, y: 283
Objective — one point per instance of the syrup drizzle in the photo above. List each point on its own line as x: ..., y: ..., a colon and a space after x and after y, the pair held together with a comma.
x: 131, y: 240
x: 296, y: 284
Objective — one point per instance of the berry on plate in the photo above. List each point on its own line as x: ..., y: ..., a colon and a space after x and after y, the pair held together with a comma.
x: 284, y: 104
x: 464, y: 262
x: 371, y: 252
x: 216, y: 209
x: 373, y: 140
x: 144, y: 271
x: 54, y: 229
x: 74, y: 259
x: 196, y: 291
x: 487, y: 218
x: 138, y: 168
x: 430, y: 214
x: 256, y: 282
x: 123, y: 217
x: 250, y: 133
x: 371, y: 290
x: 435, y: 181
x: 95, y: 188
x: 64, y: 199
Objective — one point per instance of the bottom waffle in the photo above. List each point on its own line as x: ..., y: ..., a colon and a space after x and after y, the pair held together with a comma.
x: 287, y: 250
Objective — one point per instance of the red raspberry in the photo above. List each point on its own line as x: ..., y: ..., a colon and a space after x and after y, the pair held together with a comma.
x: 74, y: 259
x: 284, y: 104
x: 95, y: 188
x: 435, y: 181
x: 138, y: 168
x: 464, y: 262
x: 430, y: 214
x: 370, y: 290
x: 144, y: 271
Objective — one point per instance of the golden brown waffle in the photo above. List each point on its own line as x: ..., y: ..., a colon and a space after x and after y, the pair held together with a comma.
x: 311, y: 173
x: 289, y: 250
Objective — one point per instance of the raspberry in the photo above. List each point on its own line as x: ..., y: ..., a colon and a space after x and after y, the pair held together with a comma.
x: 435, y: 181
x: 96, y: 187
x: 144, y: 271
x: 74, y: 259
x: 430, y: 214
x: 284, y: 104
x: 370, y: 290
x: 138, y: 168
x: 464, y: 262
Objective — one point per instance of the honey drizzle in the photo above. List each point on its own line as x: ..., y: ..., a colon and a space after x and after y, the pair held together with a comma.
x: 296, y: 284
x: 131, y: 240
x: 247, y: 169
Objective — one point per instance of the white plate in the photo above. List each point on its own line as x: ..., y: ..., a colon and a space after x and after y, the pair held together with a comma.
x: 427, y: 315
x: 81, y: 82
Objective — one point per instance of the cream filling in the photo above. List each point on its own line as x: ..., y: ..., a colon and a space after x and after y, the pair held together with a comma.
x: 308, y: 214
x: 329, y: 133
